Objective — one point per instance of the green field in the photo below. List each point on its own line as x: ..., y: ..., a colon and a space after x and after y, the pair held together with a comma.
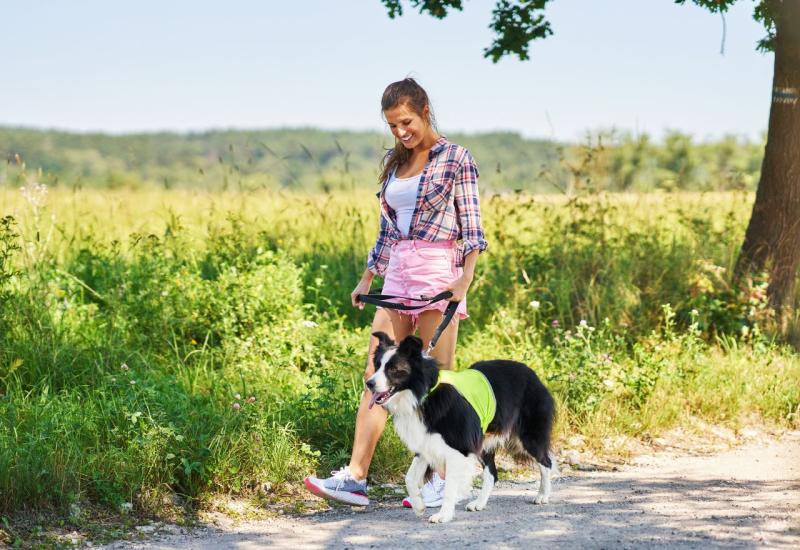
x: 313, y: 160
x: 156, y: 342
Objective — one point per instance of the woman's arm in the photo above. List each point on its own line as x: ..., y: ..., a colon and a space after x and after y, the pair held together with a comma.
x: 461, y: 285
x: 362, y: 288
x: 377, y: 261
x: 468, y: 206
x: 378, y: 258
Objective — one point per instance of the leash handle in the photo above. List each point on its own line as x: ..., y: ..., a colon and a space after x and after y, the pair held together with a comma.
x: 383, y: 300
x: 449, y: 312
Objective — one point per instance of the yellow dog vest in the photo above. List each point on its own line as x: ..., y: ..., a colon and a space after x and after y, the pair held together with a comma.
x: 475, y: 388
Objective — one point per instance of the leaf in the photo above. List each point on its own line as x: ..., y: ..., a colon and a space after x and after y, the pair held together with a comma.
x: 15, y: 364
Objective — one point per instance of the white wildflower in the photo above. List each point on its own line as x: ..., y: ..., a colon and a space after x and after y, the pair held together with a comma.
x: 35, y: 193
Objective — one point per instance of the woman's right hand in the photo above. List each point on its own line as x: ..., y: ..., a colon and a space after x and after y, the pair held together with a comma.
x: 361, y: 288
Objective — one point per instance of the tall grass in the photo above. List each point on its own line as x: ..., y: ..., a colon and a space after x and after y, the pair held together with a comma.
x: 196, y: 343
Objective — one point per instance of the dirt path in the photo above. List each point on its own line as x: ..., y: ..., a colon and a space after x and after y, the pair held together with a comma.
x: 746, y: 497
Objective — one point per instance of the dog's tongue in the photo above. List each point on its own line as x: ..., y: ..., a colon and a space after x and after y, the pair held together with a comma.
x: 375, y: 396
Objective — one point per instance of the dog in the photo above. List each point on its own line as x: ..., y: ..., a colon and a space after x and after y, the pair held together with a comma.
x: 444, y: 430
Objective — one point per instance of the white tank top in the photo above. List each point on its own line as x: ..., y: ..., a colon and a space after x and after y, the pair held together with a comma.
x: 401, y: 196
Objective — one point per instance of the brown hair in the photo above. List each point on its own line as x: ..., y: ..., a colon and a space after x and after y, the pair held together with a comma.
x: 409, y: 93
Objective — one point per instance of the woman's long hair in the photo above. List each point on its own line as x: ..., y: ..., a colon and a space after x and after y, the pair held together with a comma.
x: 404, y: 92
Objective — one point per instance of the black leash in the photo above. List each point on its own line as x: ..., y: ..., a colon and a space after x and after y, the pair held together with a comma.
x: 449, y: 312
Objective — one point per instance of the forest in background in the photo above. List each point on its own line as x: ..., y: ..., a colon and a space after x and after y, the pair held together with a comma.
x: 321, y: 160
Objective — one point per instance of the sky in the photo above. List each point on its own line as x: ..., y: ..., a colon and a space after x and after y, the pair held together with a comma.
x: 630, y: 65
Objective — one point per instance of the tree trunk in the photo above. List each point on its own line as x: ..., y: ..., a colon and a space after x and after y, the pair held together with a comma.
x: 772, y: 241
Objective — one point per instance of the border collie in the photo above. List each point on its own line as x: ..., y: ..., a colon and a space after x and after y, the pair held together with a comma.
x: 443, y: 430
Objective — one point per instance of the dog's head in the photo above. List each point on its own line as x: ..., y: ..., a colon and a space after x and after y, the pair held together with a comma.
x: 399, y: 367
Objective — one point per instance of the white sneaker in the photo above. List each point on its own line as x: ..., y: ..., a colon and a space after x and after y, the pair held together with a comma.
x: 432, y: 493
x: 341, y: 486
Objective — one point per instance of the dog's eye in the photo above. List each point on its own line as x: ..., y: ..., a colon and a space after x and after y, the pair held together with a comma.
x: 398, y: 369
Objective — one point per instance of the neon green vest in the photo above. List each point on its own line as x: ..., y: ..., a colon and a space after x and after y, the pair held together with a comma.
x: 475, y: 388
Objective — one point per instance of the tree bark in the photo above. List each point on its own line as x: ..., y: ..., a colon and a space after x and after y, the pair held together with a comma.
x: 772, y: 241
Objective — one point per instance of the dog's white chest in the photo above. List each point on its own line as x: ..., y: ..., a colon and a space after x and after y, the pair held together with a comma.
x: 412, y: 431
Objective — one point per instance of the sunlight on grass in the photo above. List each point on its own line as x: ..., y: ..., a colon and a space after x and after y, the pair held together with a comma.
x: 159, y: 342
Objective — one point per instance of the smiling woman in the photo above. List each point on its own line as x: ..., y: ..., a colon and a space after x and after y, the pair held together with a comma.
x: 429, y: 240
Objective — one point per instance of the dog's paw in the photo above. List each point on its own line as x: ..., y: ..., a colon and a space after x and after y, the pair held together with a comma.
x: 475, y: 506
x: 418, y: 505
x: 541, y: 499
x: 441, y: 517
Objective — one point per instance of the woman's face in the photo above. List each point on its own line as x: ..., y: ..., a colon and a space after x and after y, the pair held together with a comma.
x: 406, y: 125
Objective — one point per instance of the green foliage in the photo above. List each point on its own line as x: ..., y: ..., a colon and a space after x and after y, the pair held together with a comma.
x: 761, y: 13
x: 119, y: 371
x: 721, y: 308
x: 219, y: 352
x: 8, y: 246
x: 315, y: 160
x: 517, y: 23
x: 436, y: 9
x: 515, y: 26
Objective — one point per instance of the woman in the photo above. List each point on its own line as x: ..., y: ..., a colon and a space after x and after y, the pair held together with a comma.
x: 429, y: 240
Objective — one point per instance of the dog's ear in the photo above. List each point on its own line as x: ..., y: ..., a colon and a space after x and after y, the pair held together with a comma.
x: 383, y: 339
x: 411, y: 346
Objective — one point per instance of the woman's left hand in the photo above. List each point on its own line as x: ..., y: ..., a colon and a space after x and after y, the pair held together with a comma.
x: 459, y: 288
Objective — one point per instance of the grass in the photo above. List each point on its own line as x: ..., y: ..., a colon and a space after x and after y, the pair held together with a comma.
x: 198, y: 344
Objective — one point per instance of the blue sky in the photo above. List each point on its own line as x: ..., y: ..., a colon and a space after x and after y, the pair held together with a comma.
x: 638, y: 65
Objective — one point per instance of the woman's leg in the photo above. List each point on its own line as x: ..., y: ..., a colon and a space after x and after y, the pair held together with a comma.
x: 445, y: 349
x: 371, y: 422
x: 349, y: 484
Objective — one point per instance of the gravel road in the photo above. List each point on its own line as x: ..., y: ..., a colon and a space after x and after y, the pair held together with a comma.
x: 745, y: 497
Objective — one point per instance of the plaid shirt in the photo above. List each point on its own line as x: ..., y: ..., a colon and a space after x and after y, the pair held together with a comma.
x: 447, y: 208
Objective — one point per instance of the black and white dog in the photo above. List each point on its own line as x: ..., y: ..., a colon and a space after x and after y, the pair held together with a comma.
x: 444, y: 431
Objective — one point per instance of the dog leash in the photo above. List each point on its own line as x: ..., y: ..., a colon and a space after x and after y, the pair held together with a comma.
x: 383, y: 301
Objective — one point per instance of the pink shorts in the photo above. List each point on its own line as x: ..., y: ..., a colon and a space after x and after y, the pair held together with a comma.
x: 421, y: 268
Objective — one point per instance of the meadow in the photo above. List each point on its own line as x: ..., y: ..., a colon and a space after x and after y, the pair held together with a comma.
x: 193, y: 343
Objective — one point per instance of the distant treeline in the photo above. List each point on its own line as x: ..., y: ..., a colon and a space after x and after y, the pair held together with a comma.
x: 319, y: 160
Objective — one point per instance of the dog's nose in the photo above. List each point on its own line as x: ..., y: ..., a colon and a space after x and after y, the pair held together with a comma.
x: 371, y: 384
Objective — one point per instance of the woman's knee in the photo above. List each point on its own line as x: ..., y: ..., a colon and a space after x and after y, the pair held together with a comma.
x: 446, y: 365
x: 381, y: 322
